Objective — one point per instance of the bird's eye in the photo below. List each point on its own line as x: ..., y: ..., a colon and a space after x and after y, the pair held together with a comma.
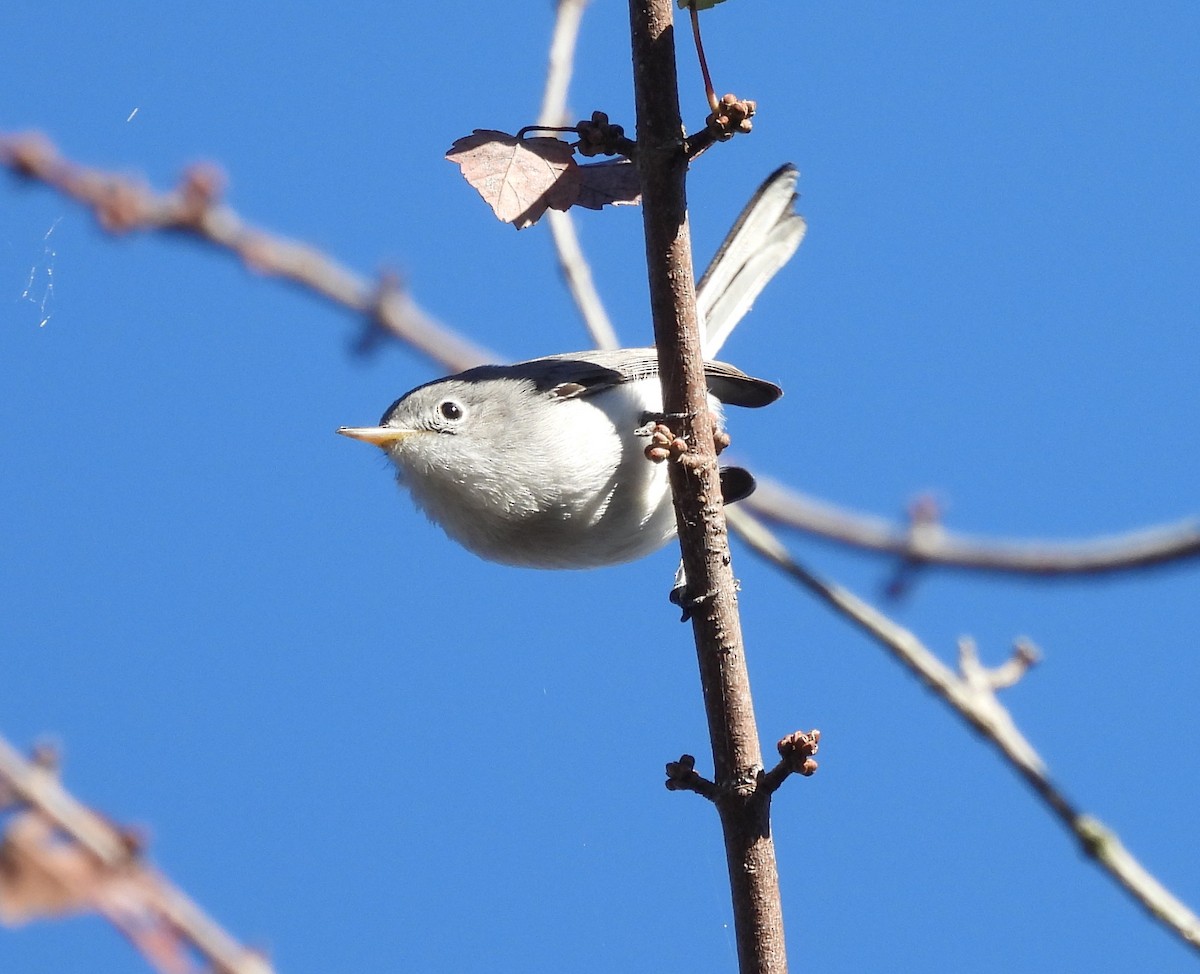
x: 451, y: 410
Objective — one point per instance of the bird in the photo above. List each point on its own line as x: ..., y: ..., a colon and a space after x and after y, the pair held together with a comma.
x: 543, y: 463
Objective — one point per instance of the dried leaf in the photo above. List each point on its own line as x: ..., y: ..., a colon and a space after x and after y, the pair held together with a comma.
x: 700, y: 4
x: 518, y: 178
x: 614, y: 182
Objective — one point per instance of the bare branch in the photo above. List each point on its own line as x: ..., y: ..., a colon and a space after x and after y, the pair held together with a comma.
x: 972, y: 694
x: 710, y: 594
x: 930, y: 544
x: 123, y: 205
x: 568, y: 14
x: 578, y: 275
x: 571, y: 260
x: 88, y: 863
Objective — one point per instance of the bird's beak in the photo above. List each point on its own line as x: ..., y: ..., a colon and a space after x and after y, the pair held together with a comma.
x: 380, y: 436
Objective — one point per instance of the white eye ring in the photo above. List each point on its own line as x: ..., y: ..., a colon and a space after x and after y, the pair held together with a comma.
x: 451, y: 410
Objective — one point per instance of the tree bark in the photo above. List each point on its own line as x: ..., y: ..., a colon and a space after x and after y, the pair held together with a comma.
x: 744, y: 807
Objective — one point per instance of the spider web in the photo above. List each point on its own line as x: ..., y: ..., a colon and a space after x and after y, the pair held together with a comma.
x: 39, y: 287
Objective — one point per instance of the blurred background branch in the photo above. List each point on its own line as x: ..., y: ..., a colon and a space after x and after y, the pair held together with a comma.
x: 125, y: 205
x: 57, y: 856
x: 971, y: 693
x: 924, y: 541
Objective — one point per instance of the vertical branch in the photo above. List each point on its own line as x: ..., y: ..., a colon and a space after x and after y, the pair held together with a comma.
x: 737, y: 759
x: 571, y: 262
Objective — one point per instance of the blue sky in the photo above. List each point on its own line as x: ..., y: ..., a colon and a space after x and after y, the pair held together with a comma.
x: 362, y: 748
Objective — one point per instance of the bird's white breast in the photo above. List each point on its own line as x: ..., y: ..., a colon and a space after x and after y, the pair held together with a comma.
x: 573, y: 490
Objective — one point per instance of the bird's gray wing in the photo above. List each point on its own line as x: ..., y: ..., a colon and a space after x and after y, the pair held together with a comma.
x: 586, y: 373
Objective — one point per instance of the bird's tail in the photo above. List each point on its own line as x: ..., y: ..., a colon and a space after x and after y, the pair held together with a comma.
x: 762, y: 240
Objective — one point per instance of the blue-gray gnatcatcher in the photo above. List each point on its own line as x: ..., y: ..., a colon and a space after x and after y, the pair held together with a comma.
x: 543, y: 463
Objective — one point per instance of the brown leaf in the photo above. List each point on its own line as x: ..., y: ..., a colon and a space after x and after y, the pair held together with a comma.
x: 518, y: 178
x: 614, y: 182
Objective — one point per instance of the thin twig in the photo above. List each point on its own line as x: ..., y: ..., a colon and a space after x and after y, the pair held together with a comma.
x: 568, y: 14
x: 123, y: 205
x: 571, y: 261
x: 136, y: 898
x: 578, y: 275
x: 972, y: 694
x: 931, y: 544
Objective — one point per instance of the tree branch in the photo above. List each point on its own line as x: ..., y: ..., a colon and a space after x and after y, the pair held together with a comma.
x: 971, y: 693
x: 194, y: 209
x: 98, y: 867
x: 924, y: 543
x: 695, y: 483
x: 572, y: 263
